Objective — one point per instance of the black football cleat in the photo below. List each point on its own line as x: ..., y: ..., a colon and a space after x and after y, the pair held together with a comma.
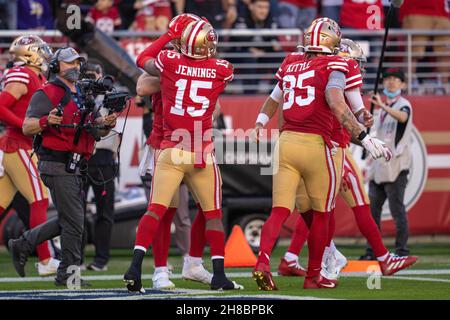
x: 222, y: 283
x: 19, y: 255
x: 132, y: 279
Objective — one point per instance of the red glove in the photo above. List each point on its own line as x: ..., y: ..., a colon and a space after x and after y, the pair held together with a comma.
x: 179, y: 23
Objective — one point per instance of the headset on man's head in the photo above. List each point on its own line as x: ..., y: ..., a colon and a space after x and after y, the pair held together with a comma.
x: 53, y: 65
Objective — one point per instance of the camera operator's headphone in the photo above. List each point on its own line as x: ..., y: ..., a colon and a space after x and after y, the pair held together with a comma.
x: 53, y: 65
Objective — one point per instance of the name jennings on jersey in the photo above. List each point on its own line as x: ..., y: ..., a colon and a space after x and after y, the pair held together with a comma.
x: 196, y: 72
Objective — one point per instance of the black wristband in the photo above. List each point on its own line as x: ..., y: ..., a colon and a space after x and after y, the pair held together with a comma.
x: 362, y: 135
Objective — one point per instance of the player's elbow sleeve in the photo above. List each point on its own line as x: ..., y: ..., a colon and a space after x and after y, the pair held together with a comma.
x: 354, y: 99
x: 336, y: 80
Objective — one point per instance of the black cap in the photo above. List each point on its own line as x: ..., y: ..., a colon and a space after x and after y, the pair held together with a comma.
x: 394, y: 72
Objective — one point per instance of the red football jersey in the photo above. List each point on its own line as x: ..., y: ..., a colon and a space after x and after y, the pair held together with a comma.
x: 157, y: 134
x: 340, y: 134
x: 14, y: 139
x: 358, y: 14
x: 438, y: 8
x: 105, y: 21
x: 290, y: 58
x: 353, y: 80
x: 304, y: 105
x: 190, y: 89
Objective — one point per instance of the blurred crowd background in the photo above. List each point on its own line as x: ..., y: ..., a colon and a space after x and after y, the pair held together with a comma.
x: 256, y: 55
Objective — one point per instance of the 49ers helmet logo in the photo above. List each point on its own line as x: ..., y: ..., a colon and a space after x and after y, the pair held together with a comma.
x: 26, y: 40
x: 211, y: 36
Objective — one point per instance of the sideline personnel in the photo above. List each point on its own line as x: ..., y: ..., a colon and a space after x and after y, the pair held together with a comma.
x: 389, y: 179
x: 52, y: 110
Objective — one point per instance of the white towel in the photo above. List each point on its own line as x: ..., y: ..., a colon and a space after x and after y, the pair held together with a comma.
x: 147, y: 164
x: 2, y: 169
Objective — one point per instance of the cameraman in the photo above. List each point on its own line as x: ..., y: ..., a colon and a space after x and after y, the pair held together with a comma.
x: 52, y: 109
x: 102, y: 169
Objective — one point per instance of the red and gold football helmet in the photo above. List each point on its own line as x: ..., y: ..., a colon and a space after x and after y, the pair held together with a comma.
x: 323, y: 36
x: 199, y: 40
x: 30, y: 50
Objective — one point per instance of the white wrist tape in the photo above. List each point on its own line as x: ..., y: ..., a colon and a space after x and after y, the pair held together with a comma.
x: 263, y: 119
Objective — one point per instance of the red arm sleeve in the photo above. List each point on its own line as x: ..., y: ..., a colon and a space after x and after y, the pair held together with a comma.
x: 153, y: 50
x: 7, y: 100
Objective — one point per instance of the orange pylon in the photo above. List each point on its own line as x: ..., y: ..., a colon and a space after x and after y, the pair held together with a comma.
x: 238, y: 252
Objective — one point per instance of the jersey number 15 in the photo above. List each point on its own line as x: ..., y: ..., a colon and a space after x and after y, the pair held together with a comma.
x: 195, y: 85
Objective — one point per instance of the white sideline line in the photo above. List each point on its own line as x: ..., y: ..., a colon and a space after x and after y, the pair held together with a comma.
x: 230, y: 274
x: 421, y: 279
x: 111, y: 294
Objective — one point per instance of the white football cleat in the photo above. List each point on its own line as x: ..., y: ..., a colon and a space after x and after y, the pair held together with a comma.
x: 341, y: 261
x: 48, y: 269
x: 195, y: 271
x: 329, y: 271
x: 161, y: 280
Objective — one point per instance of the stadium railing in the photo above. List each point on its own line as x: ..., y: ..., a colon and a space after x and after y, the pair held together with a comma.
x: 255, y: 74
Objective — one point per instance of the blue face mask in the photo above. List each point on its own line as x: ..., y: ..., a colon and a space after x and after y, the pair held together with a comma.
x: 392, y: 95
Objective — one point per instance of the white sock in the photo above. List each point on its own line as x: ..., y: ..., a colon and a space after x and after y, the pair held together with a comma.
x: 290, y: 257
x: 382, y: 258
x: 217, y: 257
x: 161, y: 269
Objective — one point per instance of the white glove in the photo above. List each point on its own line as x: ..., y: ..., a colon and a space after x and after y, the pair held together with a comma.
x: 334, y: 150
x: 376, y: 148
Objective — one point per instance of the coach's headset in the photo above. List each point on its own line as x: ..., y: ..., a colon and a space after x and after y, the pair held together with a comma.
x: 53, y: 65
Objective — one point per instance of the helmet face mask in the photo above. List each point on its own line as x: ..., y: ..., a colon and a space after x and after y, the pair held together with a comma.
x: 30, y: 50
x: 199, y: 40
x: 323, y: 36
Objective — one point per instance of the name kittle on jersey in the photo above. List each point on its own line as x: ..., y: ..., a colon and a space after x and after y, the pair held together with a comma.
x: 196, y: 72
x: 299, y: 66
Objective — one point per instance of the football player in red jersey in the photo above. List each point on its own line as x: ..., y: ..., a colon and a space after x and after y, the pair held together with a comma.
x: 190, y: 84
x: 353, y: 192
x: 193, y: 268
x: 313, y: 92
x: 18, y: 170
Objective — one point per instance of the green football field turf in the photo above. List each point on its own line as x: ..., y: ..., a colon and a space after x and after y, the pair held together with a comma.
x: 428, y: 279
